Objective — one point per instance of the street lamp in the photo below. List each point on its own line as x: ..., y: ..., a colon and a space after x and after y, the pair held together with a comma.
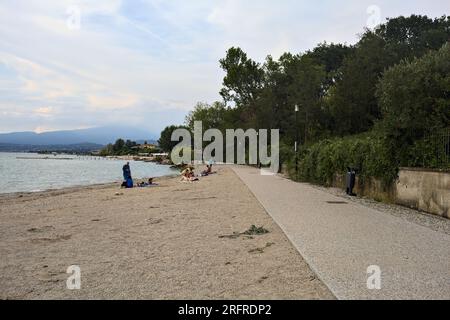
x: 257, y: 148
x: 296, y: 140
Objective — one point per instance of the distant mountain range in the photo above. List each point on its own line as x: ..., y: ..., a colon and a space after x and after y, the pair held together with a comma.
x: 76, y: 148
x: 100, y: 136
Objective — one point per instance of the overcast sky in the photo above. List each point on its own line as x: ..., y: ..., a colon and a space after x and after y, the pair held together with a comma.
x: 68, y: 64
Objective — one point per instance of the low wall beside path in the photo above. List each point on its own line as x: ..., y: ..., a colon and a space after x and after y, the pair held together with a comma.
x: 418, y: 188
x: 426, y: 190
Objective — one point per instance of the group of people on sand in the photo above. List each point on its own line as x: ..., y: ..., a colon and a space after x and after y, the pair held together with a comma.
x: 188, y: 175
x: 128, y: 180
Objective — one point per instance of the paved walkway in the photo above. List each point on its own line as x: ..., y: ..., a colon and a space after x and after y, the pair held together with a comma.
x: 341, y: 240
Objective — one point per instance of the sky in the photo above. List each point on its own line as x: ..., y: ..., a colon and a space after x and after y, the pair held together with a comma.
x: 72, y: 64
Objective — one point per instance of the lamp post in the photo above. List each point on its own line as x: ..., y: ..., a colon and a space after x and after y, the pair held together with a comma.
x: 296, y: 141
x: 258, y: 163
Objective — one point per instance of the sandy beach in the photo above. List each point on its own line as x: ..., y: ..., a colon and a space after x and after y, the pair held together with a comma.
x: 174, y: 241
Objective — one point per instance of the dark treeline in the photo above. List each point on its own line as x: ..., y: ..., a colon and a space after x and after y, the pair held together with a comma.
x: 128, y: 147
x: 391, y: 89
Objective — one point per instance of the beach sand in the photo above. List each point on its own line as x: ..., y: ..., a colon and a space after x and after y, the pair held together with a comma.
x: 163, y: 242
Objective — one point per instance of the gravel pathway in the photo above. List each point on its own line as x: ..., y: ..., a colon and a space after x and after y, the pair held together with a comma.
x: 433, y: 222
x: 350, y: 244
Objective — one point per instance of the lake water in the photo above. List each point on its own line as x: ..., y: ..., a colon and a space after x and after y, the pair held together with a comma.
x: 32, y: 175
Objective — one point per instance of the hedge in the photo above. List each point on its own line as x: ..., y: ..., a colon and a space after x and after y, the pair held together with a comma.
x: 367, y: 154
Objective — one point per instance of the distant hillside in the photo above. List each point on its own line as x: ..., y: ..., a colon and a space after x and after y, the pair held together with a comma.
x: 100, y: 136
x: 78, y: 148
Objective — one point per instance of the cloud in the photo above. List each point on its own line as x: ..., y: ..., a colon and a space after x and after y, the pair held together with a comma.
x: 147, y: 62
x: 112, y: 101
x: 44, y: 111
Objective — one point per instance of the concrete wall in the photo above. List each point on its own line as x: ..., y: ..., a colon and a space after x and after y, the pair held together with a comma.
x: 421, y: 189
x: 425, y: 190
x: 370, y: 188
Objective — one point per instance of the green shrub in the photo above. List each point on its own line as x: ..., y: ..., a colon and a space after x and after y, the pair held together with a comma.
x: 415, y: 100
x: 430, y: 152
x: 366, y: 153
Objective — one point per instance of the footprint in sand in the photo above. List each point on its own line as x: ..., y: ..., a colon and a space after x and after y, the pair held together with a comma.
x: 261, y: 250
x: 52, y: 240
x: 49, y: 276
x: 42, y: 229
x: 155, y: 221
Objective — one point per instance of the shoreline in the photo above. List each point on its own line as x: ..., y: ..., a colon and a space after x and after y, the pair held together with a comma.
x: 75, y: 188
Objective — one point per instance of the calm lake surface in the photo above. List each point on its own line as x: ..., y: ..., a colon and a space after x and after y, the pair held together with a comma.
x: 32, y: 175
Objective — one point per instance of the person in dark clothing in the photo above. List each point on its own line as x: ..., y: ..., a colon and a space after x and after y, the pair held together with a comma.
x: 128, y: 180
x: 126, y: 171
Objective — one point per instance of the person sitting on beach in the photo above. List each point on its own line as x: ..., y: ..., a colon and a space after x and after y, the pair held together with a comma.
x: 208, y: 171
x: 188, y: 172
x: 128, y: 184
x: 147, y: 184
x: 188, y: 175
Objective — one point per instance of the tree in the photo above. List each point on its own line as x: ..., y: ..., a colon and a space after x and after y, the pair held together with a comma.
x: 331, y: 57
x: 243, y: 79
x: 415, y: 100
x: 411, y: 37
x: 130, y: 144
x: 118, y: 145
x: 107, y: 151
x: 351, y: 101
x: 165, y: 141
x: 212, y: 116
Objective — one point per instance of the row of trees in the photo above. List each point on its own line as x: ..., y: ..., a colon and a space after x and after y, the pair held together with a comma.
x: 128, y: 147
x: 381, y: 85
x: 119, y: 148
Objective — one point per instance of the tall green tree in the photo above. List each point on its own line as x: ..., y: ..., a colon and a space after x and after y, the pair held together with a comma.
x: 415, y: 100
x: 212, y: 116
x: 331, y: 57
x: 412, y: 37
x: 119, y: 145
x: 243, y: 79
x: 352, y: 101
x: 165, y: 141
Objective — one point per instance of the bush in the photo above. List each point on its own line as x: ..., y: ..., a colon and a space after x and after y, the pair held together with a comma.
x: 430, y: 152
x: 415, y: 100
x: 366, y: 153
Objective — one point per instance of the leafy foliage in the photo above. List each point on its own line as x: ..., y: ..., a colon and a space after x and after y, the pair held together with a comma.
x: 366, y: 153
x: 119, y: 148
x: 244, y: 77
x: 415, y: 101
x: 373, y: 105
x: 165, y: 141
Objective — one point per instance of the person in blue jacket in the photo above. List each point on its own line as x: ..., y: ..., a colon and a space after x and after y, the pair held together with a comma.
x: 127, y: 175
x: 126, y: 171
